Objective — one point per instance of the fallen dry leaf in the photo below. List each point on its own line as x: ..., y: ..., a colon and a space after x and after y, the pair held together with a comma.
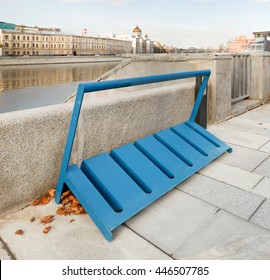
x: 66, y: 193
x: 19, y: 232
x: 45, y: 200
x: 47, y: 229
x: 72, y: 220
x: 47, y: 219
x: 65, y: 201
x: 32, y: 219
x: 61, y: 210
x: 36, y: 202
x: 51, y: 192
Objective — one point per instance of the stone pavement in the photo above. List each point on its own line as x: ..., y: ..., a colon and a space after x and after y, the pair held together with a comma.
x: 222, y: 212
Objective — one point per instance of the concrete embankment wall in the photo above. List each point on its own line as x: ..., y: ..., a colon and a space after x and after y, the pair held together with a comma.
x: 219, y: 89
x: 7, y: 61
x: 32, y: 141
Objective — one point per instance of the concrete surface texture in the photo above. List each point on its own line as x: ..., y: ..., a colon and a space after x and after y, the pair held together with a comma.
x: 32, y: 141
x: 222, y: 212
x: 219, y: 89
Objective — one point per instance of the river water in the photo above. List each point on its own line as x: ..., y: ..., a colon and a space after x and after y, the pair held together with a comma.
x: 29, y: 86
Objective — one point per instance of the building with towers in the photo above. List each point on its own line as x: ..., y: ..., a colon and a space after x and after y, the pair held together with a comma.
x: 141, y: 44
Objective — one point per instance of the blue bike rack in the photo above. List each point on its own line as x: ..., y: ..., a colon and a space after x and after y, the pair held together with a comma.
x: 114, y: 187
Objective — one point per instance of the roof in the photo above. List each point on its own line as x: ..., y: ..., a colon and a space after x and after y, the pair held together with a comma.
x: 137, y: 29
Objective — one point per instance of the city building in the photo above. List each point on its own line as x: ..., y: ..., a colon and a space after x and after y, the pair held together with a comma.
x: 141, y: 44
x: 240, y: 44
x: 34, y: 41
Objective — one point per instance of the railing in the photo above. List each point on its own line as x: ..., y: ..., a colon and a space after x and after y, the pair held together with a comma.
x: 240, y: 77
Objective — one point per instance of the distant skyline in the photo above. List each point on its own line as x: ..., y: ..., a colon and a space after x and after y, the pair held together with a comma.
x: 181, y: 23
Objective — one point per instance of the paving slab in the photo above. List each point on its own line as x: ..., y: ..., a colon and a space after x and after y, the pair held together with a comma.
x: 4, y: 255
x: 237, y: 137
x: 243, y: 158
x: 266, y: 148
x: 171, y: 220
x: 232, y: 175
x: 262, y: 215
x: 227, y: 237
x: 247, y: 125
x: 73, y: 241
x: 263, y: 188
x: 226, y: 197
x: 266, y: 132
x: 260, y: 114
x: 264, y: 168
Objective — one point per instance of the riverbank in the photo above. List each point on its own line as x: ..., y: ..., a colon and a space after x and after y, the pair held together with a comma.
x: 10, y: 61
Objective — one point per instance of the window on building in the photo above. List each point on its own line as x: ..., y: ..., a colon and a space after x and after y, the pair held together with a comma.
x: 51, y: 45
x: 37, y: 38
x: 6, y: 52
x: 23, y: 37
x: 14, y: 45
x: 23, y: 52
x: 6, y: 37
x: 14, y: 37
x: 18, y: 37
x: 28, y: 53
x: 18, y: 45
x: 18, y: 53
x: 33, y: 38
x: 33, y: 45
x: 36, y: 45
x: 28, y: 38
x: 42, y: 45
x: 23, y: 45
x: 6, y: 45
x: 27, y: 45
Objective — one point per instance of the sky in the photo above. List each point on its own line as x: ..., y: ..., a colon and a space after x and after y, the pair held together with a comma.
x: 181, y: 23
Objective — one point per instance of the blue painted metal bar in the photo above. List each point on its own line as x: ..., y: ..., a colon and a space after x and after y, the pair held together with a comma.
x: 114, y: 187
x: 199, y: 99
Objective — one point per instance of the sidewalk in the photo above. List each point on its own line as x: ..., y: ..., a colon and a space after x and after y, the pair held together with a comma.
x: 222, y: 212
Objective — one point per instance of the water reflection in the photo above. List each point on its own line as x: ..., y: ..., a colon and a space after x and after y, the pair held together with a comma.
x: 25, y: 87
x: 15, y: 77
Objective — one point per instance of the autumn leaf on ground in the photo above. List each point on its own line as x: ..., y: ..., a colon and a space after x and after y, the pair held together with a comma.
x: 32, y: 219
x: 19, y: 232
x: 47, y: 219
x: 36, y: 202
x: 66, y: 194
x: 51, y: 192
x: 72, y: 220
x: 61, y: 210
x: 70, y: 205
x: 45, y: 200
x: 42, y: 200
x: 47, y: 229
